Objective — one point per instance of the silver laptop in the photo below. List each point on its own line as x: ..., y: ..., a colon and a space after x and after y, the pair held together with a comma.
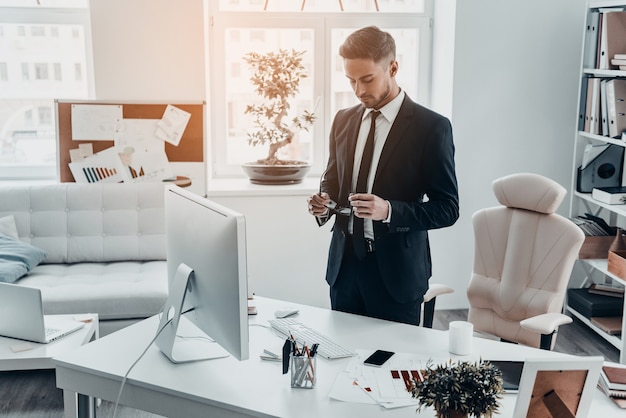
x: 21, y: 316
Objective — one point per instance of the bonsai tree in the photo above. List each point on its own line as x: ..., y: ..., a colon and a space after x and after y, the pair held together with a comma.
x: 460, y: 389
x: 276, y: 78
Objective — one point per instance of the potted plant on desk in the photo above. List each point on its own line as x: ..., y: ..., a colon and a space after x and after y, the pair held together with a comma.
x: 460, y: 389
x: 276, y: 78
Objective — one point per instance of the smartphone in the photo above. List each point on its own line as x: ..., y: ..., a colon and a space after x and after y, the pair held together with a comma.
x: 378, y: 358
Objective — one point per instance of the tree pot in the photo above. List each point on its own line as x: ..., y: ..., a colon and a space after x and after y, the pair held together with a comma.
x: 276, y: 174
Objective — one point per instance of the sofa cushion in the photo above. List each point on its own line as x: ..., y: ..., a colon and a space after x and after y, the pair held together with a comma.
x: 7, y: 226
x: 77, y: 222
x: 17, y: 258
x: 127, y: 289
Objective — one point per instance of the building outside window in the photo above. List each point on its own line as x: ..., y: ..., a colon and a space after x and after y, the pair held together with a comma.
x: 46, y: 55
x: 317, y: 27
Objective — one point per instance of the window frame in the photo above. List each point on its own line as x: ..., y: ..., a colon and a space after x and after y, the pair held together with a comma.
x: 322, y: 25
x: 42, y: 15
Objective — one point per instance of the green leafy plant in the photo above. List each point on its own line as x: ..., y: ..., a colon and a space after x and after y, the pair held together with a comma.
x: 465, y: 388
x: 276, y: 77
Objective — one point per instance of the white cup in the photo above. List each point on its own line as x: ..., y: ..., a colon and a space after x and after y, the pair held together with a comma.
x: 460, y: 337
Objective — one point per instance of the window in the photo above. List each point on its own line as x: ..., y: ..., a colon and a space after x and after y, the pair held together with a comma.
x: 40, y: 41
x: 237, y: 27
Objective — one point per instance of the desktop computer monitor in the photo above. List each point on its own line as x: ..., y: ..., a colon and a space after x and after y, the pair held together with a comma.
x: 207, y: 273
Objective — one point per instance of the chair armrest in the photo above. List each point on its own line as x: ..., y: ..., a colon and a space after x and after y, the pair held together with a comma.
x: 435, y: 290
x: 545, y: 323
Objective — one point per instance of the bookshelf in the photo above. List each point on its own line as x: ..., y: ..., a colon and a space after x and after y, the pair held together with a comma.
x: 599, y: 43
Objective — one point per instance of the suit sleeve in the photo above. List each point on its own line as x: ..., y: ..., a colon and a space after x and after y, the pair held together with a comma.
x: 440, y: 207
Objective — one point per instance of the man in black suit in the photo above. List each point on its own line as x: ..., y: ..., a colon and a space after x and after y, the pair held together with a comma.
x: 379, y: 258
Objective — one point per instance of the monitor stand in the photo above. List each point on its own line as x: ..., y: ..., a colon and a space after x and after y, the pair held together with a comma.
x: 183, y: 350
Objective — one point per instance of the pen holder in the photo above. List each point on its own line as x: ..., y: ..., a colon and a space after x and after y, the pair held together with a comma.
x: 303, y: 371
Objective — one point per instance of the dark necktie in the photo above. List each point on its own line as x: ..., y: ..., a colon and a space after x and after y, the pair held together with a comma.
x: 358, y: 236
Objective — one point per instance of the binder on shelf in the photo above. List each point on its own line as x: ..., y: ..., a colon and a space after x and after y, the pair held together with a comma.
x: 582, y: 115
x: 604, y: 117
x: 616, y: 106
x: 612, y: 36
x: 610, y: 195
x: 602, y: 170
x: 592, y: 110
x: 591, y: 39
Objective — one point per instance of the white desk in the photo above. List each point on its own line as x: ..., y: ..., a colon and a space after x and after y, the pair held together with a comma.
x: 229, y: 388
x: 40, y: 355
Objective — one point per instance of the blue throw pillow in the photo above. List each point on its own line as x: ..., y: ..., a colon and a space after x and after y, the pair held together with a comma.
x: 17, y: 258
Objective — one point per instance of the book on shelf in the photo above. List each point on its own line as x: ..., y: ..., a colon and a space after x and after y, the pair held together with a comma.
x: 612, y: 325
x: 593, y: 226
x: 614, y: 195
x: 599, y: 289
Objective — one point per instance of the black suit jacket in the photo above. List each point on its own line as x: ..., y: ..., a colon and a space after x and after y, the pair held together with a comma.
x: 416, y: 174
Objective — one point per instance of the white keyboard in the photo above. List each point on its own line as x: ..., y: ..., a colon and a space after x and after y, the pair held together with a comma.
x: 306, y: 335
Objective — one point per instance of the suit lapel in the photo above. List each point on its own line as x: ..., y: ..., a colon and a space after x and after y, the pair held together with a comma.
x: 400, y: 125
x: 352, y: 131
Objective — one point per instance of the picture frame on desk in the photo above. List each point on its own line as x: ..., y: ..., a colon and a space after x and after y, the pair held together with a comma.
x: 557, y: 387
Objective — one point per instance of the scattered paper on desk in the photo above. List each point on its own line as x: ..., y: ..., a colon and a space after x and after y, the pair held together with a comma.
x: 86, y: 318
x: 21, y: 347
x: 387, y: 386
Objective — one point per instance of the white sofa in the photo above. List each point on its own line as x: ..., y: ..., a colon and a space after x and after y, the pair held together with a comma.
x: 105, y: 247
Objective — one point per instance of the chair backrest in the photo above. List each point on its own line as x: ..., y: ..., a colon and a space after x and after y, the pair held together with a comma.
x: 523, y: 257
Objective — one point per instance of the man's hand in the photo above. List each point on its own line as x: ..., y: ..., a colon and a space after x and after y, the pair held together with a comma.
x: 370, y: 206
x: 317, y: 204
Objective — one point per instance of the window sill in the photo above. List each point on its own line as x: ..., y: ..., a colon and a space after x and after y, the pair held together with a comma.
x: 243, y: 187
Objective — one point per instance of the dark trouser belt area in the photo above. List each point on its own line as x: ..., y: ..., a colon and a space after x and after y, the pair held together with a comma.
x: 370, y: 247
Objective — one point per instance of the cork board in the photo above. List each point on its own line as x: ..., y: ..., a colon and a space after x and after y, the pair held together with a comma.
x: 191, y: 148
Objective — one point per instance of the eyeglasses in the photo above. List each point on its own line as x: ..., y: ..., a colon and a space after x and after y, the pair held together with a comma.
x: 340, y: 210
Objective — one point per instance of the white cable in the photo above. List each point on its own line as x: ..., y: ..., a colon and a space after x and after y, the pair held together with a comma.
x: 119, y: 394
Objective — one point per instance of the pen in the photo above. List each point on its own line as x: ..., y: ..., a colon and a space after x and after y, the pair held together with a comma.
x: 314, y: 349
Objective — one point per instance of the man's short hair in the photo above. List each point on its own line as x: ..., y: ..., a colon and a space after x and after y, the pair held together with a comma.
x: 369, y: 43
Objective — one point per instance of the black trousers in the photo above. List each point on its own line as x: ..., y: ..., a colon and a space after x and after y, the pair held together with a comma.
x: 359, y: 289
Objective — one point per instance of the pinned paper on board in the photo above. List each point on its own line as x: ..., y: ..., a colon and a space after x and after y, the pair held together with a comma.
x: 95, y: 122
x: 102, y: 167
x: 172, y: 125
x: 132, y: 142
x: 83, y: 151
x: 141, y: 152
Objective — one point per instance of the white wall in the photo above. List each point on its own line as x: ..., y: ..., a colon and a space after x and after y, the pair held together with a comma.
x: 149, y: 50
x: 513, y: 109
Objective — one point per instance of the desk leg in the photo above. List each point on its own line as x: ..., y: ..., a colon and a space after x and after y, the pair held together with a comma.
x: 70, y: 404
x: 86, y: 406
x: 77, y: 405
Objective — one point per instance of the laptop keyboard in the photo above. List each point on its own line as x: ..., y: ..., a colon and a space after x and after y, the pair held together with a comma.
x: 50, y: 331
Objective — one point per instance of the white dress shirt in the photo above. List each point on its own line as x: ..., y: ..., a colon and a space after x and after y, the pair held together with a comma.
x: 384, y: 121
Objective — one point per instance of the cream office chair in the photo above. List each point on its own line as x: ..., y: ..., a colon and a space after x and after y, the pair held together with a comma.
x: 428, y: 306
x: 523, y: 257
